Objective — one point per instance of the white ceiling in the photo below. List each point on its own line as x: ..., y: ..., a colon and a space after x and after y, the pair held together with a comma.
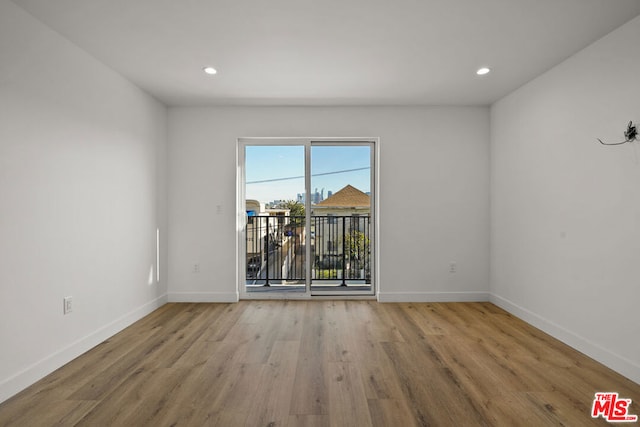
x: 331, y: 52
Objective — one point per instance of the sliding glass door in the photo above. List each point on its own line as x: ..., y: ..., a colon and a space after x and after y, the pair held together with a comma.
x: 274, y: 234
x: 341, y: 212
x: 306, y: 217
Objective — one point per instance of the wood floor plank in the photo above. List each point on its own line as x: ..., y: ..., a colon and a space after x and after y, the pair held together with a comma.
x: 208, y: 391
x: 242, y: 393
x: 308, y: 421
x: 310, y: 391
x: 427, y: 320
x: 227, y: 418
x: 273, y: 387
x: 435, y: 394
x: 46, y: 412
x: 137, y: 402
x: 220, y: 326
x: 563, y: 409
x: 338, y: 336
x: 378, y: 327
x: 185, y: 339
x: 378, y: 375
x: 323, y: 363
x: 290, y: 321
x: 310, y: 395
x: 391, y: 412
x: 481, y: 378
x: 348, y: 405
x: 517, y: 409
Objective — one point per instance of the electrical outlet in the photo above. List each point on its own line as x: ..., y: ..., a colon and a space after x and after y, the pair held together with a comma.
x: 453, y: 267
x: 67, y: 307
x: 196, y: 268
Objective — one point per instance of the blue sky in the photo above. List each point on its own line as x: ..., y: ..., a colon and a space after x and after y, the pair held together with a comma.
x: 287, y: 161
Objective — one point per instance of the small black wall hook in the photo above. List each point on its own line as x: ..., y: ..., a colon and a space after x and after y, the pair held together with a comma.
x: 630, y: 135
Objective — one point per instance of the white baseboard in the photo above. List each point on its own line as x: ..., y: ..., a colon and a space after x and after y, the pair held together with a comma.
x: 42, y: 368
x: 616, y: 362
x: 432, y: 296
x: 203, y: 297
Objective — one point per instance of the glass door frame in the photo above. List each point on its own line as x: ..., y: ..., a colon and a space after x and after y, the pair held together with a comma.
x: 241, y: 214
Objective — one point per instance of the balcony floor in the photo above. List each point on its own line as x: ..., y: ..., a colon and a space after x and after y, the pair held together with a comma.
x: 337, y: 289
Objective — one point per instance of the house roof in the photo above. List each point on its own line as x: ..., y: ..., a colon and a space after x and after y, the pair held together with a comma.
x: 348, y: 197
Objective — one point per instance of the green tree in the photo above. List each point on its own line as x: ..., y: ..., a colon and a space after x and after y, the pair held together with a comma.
x: 357, y: 251
x: 357, y: 245
x: 296, y: 211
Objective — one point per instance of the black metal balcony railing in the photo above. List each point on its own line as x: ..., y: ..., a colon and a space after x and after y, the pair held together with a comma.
x: 340, y: 249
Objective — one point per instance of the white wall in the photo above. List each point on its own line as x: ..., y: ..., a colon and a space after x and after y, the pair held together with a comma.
x: 565, y: 209
x: 82, y: 177
x: 434, y: 203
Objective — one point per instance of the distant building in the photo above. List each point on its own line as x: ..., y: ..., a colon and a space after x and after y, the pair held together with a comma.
x: 348, y: 201
x: 262, y: 232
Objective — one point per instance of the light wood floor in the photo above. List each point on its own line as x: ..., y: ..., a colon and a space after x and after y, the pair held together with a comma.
x: 323, y: 363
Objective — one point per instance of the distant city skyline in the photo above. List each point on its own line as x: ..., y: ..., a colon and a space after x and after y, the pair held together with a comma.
x: 277, y: 172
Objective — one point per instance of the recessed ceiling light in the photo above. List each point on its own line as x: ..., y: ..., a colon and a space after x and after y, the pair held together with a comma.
x: 482, y: 71
x: 210, y: 70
